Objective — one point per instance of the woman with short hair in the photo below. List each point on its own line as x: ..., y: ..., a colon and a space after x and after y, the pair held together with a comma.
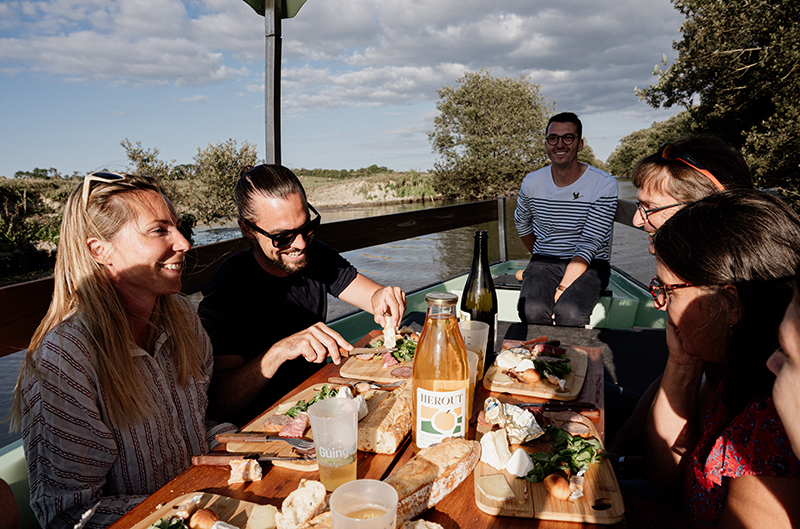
x: 112, y: 396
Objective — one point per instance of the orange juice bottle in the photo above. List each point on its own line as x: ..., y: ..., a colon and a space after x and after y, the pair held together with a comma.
x: 440, y: 384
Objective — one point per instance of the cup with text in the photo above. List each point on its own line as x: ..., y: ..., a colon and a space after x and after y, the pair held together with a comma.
x: 334, y: 425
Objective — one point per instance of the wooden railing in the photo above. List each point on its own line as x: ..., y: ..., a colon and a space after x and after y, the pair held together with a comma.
x: 22, y: 306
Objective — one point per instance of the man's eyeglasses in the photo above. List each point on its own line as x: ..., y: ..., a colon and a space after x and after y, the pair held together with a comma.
x: 568, y: 139
x: 660, y: 291
x: 670, y: 152
x: 646, y: 212
x: 100, y: 176
x: 285, y: 239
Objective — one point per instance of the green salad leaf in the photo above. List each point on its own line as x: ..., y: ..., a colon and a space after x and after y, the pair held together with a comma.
x: 168, y: 523
x: 559, y: 369
x: 570, y: 453
x: 324, y: 393
x: 404, y: 350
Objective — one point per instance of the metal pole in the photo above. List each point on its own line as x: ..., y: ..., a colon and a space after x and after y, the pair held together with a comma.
x: 272, y: 82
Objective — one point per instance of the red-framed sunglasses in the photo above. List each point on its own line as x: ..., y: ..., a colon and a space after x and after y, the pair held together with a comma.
x: 670, y: 152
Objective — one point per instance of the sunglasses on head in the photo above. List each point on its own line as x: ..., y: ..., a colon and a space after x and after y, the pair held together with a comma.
x: 670, y: 152
x: 285, y: 239
x: 105, y: 177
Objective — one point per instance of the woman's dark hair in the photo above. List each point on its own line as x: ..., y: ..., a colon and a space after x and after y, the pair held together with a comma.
x: 684, y: 183
x: 269, y: 180
x: 749, y: 239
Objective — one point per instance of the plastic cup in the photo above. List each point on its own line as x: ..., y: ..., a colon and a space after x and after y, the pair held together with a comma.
x: 364, y: 504
x: 476, y: 336
x: 334, y: 425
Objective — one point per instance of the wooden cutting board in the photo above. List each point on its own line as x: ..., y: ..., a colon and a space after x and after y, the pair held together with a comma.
x: 370, y: 369
x: 579, y: 362
x: 281, y: 448
x: 236, y: 512
x: 601, y: 504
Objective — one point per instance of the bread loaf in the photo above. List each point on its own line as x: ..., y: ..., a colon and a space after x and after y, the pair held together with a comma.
x: 421, y: 524
x: 203, y: 519
x: 432, y: 474
x: 303, y: 504
x: 384, y: 430
x: 557, y: 485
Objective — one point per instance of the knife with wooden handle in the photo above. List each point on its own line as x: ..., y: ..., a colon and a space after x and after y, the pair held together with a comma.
x: 223, y: 459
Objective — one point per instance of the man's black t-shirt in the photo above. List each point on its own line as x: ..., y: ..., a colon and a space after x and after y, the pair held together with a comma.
x: 245, y: 311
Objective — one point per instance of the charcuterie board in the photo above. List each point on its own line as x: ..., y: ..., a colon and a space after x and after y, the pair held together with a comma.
x: 601, y: 504
x: 283, y: 449
x: 372, y: 369
x: 579, y: 363
x: 233, y: 511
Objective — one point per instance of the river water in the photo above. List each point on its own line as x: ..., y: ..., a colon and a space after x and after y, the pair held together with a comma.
x: 409, y: 263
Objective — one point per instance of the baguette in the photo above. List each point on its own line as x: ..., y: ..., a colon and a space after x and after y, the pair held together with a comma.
x: 557, y: 485
x: 432, y: 474
x: 303, y: 504
x: 386, y: 427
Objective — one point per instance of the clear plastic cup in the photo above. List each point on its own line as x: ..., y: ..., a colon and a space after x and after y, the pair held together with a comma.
x: 364, y: 504
x: 476, y: 336
x: 334, y: 425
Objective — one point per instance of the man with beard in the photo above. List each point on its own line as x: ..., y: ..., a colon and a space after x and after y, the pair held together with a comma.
x: 264, y: 308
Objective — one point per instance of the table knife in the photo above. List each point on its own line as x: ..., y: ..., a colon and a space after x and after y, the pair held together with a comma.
x: 586, y: 409
x: 223, y: 459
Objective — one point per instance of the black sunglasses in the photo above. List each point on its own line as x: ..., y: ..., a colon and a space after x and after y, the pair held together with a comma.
x: 568, y: 139
x: 670, y: 152
x: 285, y: 239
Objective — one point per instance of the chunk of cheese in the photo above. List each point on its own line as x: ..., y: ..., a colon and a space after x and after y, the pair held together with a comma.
x: 262, y: 517
x: 495, y: 487
x: 494, y: 449
x: 507, y: 360
x: 501, y: 379
x: 224, y: 525
x: 526, y: 364
x: 520, y: 463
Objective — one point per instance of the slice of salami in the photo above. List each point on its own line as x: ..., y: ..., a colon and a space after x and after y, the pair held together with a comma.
x: 364, y: 357
x: 569, y: 416
x: 275, y: 423
x: 389, y: 360
x: 297, y: 427
x: 402, y: 372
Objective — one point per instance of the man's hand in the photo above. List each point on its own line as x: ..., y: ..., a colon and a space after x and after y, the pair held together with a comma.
x: 315, y: 344
x: 389, y: 300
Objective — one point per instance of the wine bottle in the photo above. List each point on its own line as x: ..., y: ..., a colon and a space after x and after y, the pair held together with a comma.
x: 479, y: 300
x: 440, y: 383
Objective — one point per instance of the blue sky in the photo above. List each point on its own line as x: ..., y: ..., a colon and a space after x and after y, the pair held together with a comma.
x: 359, y: 78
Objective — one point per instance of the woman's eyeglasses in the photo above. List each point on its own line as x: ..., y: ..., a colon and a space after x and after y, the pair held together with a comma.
x: 660, y: 291
x: 568, y: 139
x: 285, y: 239
x: 646, y: 212
x: 670, y: 152
x: 101, y: 176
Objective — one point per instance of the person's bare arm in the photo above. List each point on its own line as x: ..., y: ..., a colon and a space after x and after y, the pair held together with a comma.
x: 378, y: 300
x: 237, y: 383
x: 528, y: 241
x: 575, y: 269
x: 762, y: 501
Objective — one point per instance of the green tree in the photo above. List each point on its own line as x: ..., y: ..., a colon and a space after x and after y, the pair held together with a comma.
x: 218, y: 168
x: 738, y: 71
x: 645, y: 142
x: 489, y: 134
x: 146, y: 162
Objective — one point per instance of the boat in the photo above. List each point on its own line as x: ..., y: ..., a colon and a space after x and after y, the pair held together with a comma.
x: 624, y: 321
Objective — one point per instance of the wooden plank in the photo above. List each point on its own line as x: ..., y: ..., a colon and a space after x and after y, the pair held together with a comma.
x: 22, y: 307
x: 230, y: 510
x: 579, y: 363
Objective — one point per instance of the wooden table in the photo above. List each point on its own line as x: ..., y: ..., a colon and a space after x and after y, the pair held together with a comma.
x: 458, y: 509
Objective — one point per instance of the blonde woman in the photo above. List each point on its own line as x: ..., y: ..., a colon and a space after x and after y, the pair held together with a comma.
x: 112, y: 396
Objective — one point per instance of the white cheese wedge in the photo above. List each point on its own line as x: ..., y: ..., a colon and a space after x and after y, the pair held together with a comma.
x: 363, y: 409
x: 506, y: 360
x: 344, y: 393
x: 224, y: 525
x: 501, y: 379
x: 284, y: 407
x: 495, y: 487
x: 520, y: 463
x: 494, y: 449
x: 525, y: 364
x: 262, y: 517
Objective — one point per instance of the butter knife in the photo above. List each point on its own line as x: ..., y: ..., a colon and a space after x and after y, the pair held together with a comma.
x: 223, y: 459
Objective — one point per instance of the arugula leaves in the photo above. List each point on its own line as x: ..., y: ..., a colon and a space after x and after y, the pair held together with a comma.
x: 168, y: 523
x: 571, y: 453
x: 404, y: 350
x: 558, y: 369
x: 324, y: 393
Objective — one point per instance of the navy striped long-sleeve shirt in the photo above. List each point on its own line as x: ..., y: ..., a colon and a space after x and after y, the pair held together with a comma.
x: 568, y: 221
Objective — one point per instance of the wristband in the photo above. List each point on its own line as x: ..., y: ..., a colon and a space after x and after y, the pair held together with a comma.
x: 562, y: 288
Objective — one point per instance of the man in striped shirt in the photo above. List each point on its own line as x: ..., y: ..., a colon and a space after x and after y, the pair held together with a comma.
x: 564, y: 216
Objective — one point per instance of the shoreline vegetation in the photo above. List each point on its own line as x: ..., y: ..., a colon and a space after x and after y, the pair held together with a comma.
x: 31, y: 209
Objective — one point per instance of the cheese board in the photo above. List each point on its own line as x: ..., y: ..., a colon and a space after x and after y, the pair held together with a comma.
x: 242, y: 514
x: 579, y: 363
x: 283, y: 449
x: 601, y: 504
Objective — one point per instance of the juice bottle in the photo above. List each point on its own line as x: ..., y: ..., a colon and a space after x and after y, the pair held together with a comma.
x: 440, y: 382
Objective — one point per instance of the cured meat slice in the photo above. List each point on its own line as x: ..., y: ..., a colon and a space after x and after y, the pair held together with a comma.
x: 297, y: 427
x: 402, y: 372
x: 275, y: 423
x: 389, y: 360
x: 548, y: 350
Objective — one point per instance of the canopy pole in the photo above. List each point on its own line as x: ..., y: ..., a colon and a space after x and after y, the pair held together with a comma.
x: 272, y: 82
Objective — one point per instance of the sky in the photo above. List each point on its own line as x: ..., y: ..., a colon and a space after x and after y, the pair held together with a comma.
x: 359, y: 77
